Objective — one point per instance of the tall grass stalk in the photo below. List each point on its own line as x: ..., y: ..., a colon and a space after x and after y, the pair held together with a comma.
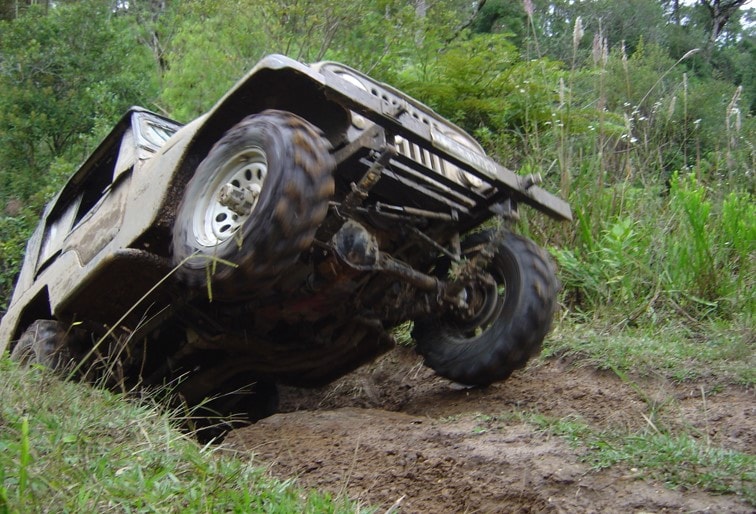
x: 24, y: 459
x: 687, y: 55
x: 649, y: 241
x: 529, y: 10
x: 565, y: 100
x: 600, y: 59
x: 732, y: 126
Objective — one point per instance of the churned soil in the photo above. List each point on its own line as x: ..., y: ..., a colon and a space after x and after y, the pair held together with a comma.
x: 395, y: 437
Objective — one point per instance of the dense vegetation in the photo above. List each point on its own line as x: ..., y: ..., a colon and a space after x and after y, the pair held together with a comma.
x: 639, y: 112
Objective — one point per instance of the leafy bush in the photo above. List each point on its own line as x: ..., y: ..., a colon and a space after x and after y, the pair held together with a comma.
x: 635, y: 248
x: 711, y: 248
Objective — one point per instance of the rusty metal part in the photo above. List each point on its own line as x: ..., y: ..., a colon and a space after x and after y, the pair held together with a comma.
x: 454, y: 256
x: 403, y: 211
x: 418, y: 279
x: 239, y: 200
x: 358, y: 249
x: 531, y: 180
x: 371, y: 177
x: 374, y: 138
x: 506, y: 210
x: 355, y: 246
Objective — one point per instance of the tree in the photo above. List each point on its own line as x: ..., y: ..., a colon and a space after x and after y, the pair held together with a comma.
x: 720, y: 12
x: 153, y: 31
x: 502, y: 16
x: 629, y: 21
x: 61, y: 71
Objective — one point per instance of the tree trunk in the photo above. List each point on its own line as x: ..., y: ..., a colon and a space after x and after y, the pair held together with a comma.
x: 720, y: 12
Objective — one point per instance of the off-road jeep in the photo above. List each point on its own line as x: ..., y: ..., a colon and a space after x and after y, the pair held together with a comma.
x: 280, y: 238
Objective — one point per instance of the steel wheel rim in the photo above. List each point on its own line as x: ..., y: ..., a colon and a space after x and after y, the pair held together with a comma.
x: 214, y: 223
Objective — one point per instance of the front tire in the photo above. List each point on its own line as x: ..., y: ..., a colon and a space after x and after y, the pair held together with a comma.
x: 522, y: 304
x: 280, y: 169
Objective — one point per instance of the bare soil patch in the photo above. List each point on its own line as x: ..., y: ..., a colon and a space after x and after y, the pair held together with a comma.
x: 393, y: 434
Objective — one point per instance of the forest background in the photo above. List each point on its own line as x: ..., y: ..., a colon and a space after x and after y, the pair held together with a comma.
x: 639, y: 112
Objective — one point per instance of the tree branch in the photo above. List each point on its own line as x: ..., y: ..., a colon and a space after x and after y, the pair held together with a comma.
x: 467, y: 24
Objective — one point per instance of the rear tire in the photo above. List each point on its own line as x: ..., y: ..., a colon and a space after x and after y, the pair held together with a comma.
x: 283, y: 165
x: 488, y: 350
x: 44, y: 342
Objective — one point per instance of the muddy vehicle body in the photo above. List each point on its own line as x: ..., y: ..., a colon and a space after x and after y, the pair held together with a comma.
x: 279, y: 238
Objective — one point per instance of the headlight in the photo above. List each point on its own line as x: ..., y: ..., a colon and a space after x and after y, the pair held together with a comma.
x: 351, y: 79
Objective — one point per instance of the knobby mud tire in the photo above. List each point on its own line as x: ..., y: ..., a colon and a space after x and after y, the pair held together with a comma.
x: 456, y: 352
x: 292, y: 203
x: 44, y: 342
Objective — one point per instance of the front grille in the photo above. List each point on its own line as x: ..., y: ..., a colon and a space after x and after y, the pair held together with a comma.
x: 423, y: 156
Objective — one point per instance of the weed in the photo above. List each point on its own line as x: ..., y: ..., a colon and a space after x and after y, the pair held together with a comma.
x: 680, y: 460
x: 403, y: 334
x: 571, y: 428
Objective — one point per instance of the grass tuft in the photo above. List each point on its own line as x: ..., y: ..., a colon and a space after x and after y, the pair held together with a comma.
x: 718, y: 352
x: 68, y: 447
x: 679, y: 460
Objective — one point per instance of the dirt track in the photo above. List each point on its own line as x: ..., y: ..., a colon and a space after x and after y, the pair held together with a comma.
x: 393, y: 434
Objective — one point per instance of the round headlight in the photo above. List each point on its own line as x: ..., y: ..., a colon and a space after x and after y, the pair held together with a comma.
x: 352, y: 80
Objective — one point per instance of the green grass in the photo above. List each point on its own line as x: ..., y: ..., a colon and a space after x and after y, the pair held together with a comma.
x: 717, y: 352
x: 677, y: 459
x: 67, y: 447
x: 721, y: 355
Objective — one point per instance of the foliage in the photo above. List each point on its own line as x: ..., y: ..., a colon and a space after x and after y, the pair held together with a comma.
x: 190, y: 86
x: 232, y: 37
x: 59, y: 72
x: 713, y: 351
x: 690, y: 251
x: 501, y: 16
x: 628, y: 108
x: 609, y: 125
x: 16, y: 230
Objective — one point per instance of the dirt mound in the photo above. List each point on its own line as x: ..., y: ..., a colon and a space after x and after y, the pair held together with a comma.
x: 394, y: 434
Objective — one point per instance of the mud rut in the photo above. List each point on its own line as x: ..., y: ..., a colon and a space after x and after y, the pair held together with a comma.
x: 393, y: 435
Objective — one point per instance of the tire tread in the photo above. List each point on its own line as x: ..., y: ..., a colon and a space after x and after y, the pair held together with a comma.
x: 514, y: 338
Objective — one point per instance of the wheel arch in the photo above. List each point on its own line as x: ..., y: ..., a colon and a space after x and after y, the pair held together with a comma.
x: 15, y: 325
x: 294, y: 88
x: 275, y: 83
